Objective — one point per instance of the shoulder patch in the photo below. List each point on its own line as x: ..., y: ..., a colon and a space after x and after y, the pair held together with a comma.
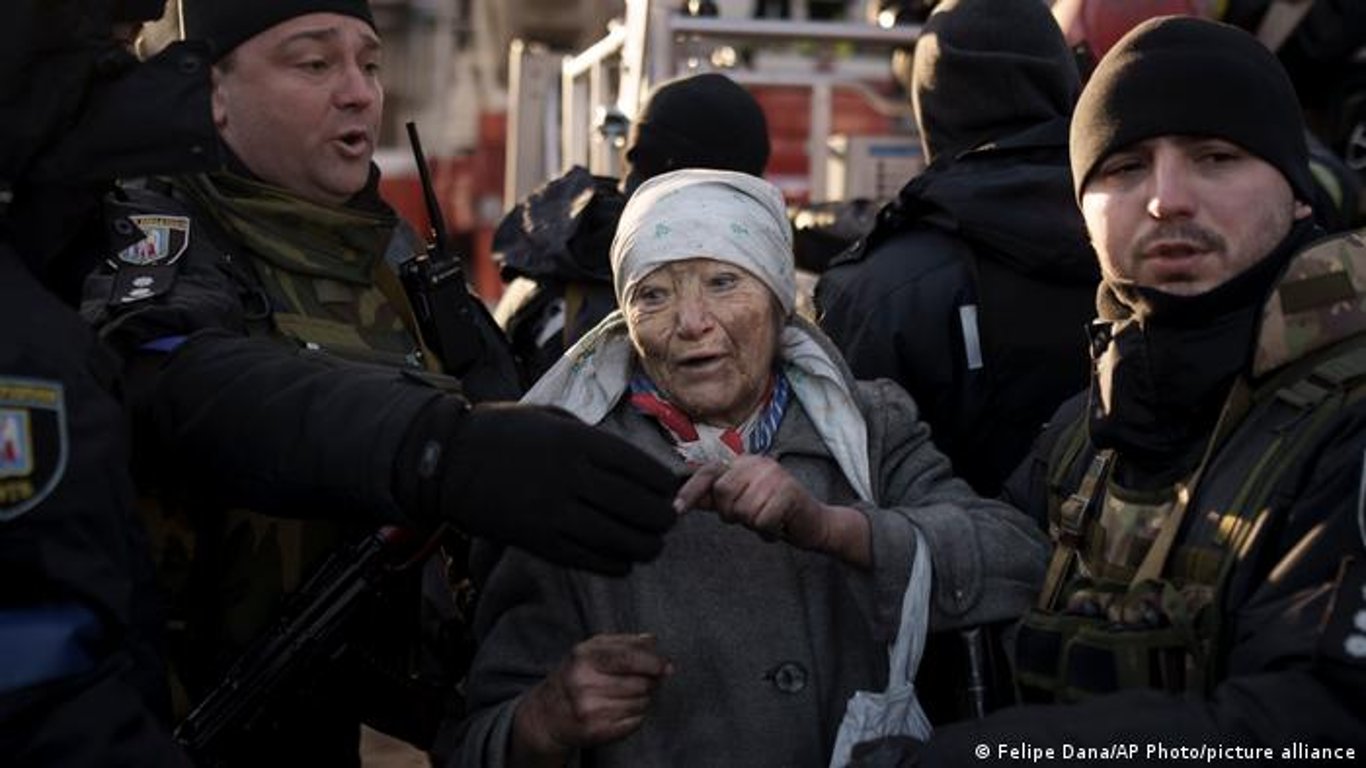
x: 164, y: 240
x: 33, y: 443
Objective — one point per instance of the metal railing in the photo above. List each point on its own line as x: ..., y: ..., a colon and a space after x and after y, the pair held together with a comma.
x: 654, y: 43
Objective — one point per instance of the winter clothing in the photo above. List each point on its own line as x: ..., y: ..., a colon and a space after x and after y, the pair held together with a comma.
x: 974, y: 288
x: 768, y: 641
x: 700, y: 121
x: 973, y: 292
x: 226, y: 24
x: 1266, y: 605
x: 1183, y: 76
x: 84, y: 682
x: 552, y: 248
x: 272, y: 365
x: 1007, y: 54
x: 724, y: 215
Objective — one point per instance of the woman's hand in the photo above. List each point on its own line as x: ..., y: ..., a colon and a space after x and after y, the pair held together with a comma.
x: 598, y: 694
x: 756, y: 492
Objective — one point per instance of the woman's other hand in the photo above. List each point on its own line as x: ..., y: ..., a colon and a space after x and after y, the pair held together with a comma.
x: 756, y: 492
x: 599, y: 693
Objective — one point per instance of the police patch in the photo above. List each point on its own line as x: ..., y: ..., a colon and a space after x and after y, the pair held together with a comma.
x: 165, y: 239
x: 32, y: 443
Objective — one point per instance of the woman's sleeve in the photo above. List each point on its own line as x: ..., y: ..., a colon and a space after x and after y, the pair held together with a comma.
x: 988, y: 557
x: 527, y: 620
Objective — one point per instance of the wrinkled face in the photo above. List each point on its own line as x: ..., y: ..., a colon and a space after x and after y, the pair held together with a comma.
x: 707, y: 334
x: 1185, y: 214
x: 300, y: 104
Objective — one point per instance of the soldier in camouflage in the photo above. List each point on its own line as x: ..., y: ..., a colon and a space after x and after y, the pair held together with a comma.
x: 1207, y: 589
x: 283, y: 397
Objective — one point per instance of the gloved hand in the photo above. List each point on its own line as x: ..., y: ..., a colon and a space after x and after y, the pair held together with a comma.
x: 539, y: 479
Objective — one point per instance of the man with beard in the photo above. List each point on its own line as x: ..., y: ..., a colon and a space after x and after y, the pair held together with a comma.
x: 1208, y: 583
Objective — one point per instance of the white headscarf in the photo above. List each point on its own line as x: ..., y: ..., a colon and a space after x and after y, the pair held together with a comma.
x: 722, y: 215
x: 734, y: 218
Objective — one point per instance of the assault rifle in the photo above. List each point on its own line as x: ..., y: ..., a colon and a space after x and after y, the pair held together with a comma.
x: 454, y: 323
x: 311, y: 630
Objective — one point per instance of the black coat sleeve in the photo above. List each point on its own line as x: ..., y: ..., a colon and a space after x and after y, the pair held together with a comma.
x: 287, y: 431
x: 223, y: 415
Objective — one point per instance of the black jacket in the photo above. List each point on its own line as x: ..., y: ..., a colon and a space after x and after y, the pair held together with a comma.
x: 994, y: 231
x: 230, y: 415
x: 1287, y: 677
x: 70, y: 542
x: 1288, y: 661
x: 226, y: 407
x: 553, y: 249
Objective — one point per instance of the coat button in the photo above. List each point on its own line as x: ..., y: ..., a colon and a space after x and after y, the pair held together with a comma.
x: 788, y: 677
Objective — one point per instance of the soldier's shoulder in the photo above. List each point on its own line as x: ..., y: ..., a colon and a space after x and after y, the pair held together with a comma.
x: 151, y: 231
x: 1318, y: 302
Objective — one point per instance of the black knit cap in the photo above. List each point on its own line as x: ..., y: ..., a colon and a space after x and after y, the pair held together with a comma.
x: 702, y: 121
x: 985, y: 69
x: 226, y: 24
x: 1178, y: 75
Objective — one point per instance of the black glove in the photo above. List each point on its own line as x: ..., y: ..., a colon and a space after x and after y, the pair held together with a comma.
x: 539, y: 479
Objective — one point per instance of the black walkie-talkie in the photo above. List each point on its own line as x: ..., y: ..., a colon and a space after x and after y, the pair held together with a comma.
x: 452, y: 321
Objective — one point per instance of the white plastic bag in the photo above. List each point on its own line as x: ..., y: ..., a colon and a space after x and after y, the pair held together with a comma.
x: 896, y: 711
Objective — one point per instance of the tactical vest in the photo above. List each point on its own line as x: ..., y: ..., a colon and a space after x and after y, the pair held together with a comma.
x: 1135, y: 590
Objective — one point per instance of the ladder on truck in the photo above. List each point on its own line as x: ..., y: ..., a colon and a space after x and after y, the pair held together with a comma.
x: 567, y: 110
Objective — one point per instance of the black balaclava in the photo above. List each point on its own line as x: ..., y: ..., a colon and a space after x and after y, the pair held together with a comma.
x: 1164, y: 363
x: 702, y: 121
x: 226, y: 24
x: 985, y: 69
x: 1177, y: 75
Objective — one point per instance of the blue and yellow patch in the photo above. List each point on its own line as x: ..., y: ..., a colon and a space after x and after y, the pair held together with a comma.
x: 33, y: 448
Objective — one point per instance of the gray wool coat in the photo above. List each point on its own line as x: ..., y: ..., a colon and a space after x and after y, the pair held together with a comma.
x: 767, y: 641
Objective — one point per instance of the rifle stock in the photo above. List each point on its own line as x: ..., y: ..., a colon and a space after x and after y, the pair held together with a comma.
x: 310, y: 630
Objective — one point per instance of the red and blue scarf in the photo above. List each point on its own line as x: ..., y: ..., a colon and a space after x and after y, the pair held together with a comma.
x: 700, y: 443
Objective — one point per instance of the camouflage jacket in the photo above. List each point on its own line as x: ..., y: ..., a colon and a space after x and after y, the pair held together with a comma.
x: 255, y: 383
x: 1265, y: 571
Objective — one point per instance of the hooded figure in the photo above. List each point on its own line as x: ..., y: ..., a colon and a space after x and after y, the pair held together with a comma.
x: 975, y: 286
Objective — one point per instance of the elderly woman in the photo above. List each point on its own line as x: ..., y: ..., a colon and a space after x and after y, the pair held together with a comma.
x: 741, y: 644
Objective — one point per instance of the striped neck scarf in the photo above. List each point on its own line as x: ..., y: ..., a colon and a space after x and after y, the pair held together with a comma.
x: 701, y: 443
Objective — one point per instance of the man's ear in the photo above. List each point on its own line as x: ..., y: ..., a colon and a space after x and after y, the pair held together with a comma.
x: 218, y: 99
x: 1303, y: 210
